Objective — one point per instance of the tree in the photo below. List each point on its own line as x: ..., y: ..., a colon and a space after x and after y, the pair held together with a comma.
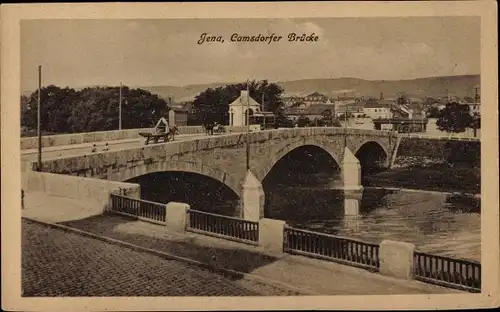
x: 430, y: 101
x: 402, y: 100
x: 282, y: 121
x: 433, y: 112
x: 303, y: 121
x: 454, y: 118
x: 475, y: 123
x: 212, y: 105
x: 92, y: 109
x: 327, y: 114
x: 343, y: 115
x: 56, y: 107
x: 98, y: 109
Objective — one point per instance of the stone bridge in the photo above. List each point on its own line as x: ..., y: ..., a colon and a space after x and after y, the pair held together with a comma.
x: 224, y: 158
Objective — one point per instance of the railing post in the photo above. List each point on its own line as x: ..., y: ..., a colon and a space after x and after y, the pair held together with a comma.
x: 271, y: 235
x: 396, y: 259
x: 177, y: 218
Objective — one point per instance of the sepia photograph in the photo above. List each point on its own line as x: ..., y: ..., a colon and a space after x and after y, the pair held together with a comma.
x: 252, y: 156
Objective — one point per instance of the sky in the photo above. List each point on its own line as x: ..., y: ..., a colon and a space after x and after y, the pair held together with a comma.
x: 149, y: 52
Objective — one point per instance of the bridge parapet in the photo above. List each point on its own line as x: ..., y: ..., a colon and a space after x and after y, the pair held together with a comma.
x: 98, y: 136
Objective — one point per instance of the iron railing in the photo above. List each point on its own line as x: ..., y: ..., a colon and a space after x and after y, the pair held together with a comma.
x: 225, y: 227
x: 139, y: 208
x: 446, y: 271
x: 333, y: 248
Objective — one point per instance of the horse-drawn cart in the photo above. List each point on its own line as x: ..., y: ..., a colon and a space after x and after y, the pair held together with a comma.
x: 162, y: 131
x: 155, y: 137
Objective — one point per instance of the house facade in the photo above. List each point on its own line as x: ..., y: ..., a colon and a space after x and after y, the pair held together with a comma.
x: 376, y: 110
x: 349, y: 106
x: 242, y: 106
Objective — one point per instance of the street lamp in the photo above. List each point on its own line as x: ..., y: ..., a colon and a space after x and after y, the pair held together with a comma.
x: 120, y: 109
x: 248, y: 128
x: 39, y: 117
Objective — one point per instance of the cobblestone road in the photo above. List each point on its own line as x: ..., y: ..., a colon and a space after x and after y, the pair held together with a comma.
x: 58, y: 263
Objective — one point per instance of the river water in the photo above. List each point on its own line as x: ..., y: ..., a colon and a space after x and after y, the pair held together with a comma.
x: 438, y: 223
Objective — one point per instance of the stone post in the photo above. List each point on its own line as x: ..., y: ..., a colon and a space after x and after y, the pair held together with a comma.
x: 396, y: 259
x: 352, y: 201
x: 351, y: 177
x: 177, y: 217
x: 351, y: 171
x: 271, y: 235
x: 253, y: 198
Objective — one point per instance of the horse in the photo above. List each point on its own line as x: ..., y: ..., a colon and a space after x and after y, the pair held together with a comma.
x: 172, y: 131
x: 218, y: 128
x: 209, y: 128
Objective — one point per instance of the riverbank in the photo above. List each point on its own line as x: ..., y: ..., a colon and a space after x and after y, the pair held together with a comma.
x: 429, y: 175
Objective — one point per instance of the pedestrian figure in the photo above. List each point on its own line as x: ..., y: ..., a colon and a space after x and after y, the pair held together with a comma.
x: 106, y: 148
x: 94, y: 149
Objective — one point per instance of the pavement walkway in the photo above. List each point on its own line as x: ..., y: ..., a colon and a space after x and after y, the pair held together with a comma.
x: 60, y: 263
x: 99, y: 144
x: 311, y: 275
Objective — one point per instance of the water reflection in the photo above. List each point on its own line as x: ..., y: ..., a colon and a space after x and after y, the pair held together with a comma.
x: 434, y: 222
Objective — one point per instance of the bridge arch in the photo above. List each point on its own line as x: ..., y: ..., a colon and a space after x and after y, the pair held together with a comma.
x: 372, y: 141
x: 371, y: 155
x: 184, y: 166
x: 284, y: 150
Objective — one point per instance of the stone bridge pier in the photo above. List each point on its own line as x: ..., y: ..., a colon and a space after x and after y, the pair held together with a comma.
x: 253, y: 196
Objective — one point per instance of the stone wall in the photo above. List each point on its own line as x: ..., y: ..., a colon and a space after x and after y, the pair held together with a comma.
x: 79, y: 138
x: 84, y: 189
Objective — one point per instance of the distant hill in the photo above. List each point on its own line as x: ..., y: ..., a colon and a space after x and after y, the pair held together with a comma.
x: 431, y: 86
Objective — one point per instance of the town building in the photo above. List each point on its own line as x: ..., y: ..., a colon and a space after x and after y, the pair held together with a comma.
x: 351, y: 107
x: 177, y: 114
x: 244, y: 105
x: 291, y: 98
x: 402, y: 125
x: 375, y: 109
x: 312, y: 112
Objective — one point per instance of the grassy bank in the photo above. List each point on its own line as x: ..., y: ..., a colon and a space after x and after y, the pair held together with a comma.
x: 432, y: 176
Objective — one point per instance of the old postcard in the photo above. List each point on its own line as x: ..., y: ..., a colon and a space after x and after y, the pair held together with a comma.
x: 249, y: 156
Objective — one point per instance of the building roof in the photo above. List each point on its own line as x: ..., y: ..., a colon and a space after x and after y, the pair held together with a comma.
x: 317, y: 94
x: 294, y: 94
x: 244, y: 100
x: 376, y: 104
x: 315, y: 109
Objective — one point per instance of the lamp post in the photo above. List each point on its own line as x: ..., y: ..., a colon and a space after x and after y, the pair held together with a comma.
x: 120, y: 109
x: 248, y: 128
x: 345, y: 127
x: 262, y: 110
x: 39, y: 109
